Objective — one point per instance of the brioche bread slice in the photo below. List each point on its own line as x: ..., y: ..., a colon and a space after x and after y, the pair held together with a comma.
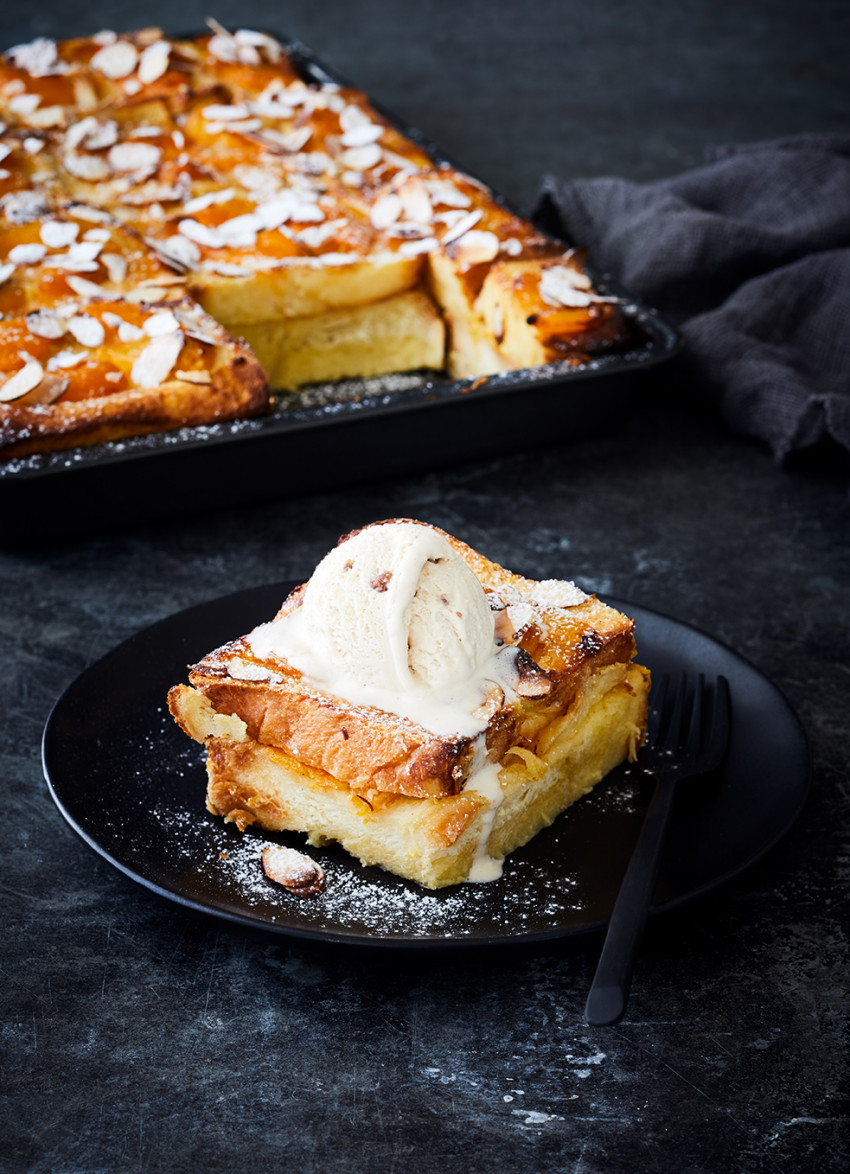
x: 284, y: 755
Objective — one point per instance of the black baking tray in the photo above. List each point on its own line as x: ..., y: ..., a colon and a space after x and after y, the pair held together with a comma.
x: 325, y: 437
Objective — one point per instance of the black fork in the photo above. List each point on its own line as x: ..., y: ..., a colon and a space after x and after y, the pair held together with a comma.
x: 687, y: 735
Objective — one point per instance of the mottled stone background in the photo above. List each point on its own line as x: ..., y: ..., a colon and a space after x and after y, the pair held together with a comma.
x: 140, y: 1037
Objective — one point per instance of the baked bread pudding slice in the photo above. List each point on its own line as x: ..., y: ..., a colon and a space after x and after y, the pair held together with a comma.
x: 418, y: 704
x: 287, y: 206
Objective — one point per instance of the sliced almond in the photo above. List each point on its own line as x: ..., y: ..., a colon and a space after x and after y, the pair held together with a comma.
x: 154, y: 364
x: 295, y: 871
x: 27, y: 254
x: 45, y: 324
x: 29, y: 376
x: 58, y: 234
x: 154, y: 61
x: 86, y: 330
x: 116, y: 267
x: 116, y: 60
x: 199, y: 377
x: 90, y: 289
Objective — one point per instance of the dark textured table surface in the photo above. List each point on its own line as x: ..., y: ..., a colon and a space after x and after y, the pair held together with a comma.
x: 140, y: 1036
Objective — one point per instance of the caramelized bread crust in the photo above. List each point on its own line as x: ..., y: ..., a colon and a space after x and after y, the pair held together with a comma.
x: 373, y: 752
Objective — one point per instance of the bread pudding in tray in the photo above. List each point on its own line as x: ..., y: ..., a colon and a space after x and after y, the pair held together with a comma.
x: 189, y: 226
x: 418, y: 704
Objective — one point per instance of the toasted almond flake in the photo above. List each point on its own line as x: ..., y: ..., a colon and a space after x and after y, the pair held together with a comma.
x: 362, y: 158
x: 474, y: 248
x: 291, y: 140
x: 5, y: 151
x: 562, y: 286
x: 180, y: 251
x: 51, y: 388
x: 29, y: 376
x: 46, y: 117
x: 113, y: 376
x: 32, y: 146
x: 149, y: 295
x: 446, y: 194
x: 155, y: 362
x: 179, y: 139
x: 200, y: 377
x: 116, y: 266
x: 100, y: 136
x: 97, y: 234
x: 89, y: 213
x: 463, y: 225
x: 90, y: 289
x: 23, y: 207
x: 240, y: 232
x: 88, y: 167
x: 386, y: 210
x: 58, y: 234
x: 38, y: 57
x: 193, y: 322
x: 416, y: 201
x: 105, y: 37
x: 202, y: 235
x: 226, y: 269
x: 131, y: 86
x: 45, y: 324
x: 6, y: 272
x: 24, y: 104
x: 362, y: 136
x: 315, y: 236
x: 136, y: 157
x: 200, y: 202
x: 352, y: 116
x: 154, y: 61
x: 512, y: 246
x: 415, y: 248
x: 116, y: 60
x: 218, y: 113
x: 86, y: 330
x: 295, y: 871
x: 29, y: 254
x: 62, y: 360
x: 129, y: 332
x: 271, y: 107
x: 163, y: 322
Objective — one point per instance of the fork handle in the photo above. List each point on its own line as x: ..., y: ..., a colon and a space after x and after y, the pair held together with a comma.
x: 609, y: 991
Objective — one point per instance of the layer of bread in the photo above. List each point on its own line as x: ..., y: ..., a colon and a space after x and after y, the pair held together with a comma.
x: 432, y: 841
x: 400, y: 333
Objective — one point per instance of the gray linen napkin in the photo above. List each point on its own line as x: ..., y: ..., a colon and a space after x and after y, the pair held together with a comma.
x: 749, y: 255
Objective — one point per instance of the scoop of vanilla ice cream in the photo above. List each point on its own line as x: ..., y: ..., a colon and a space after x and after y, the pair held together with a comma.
x: 394, y: 607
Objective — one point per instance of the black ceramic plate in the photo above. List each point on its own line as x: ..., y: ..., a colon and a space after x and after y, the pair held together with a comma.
x: 132, y: 784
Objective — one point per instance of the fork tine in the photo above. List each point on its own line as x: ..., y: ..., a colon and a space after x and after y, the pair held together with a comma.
x: 718, y: 737
x: 656, y: 709
x: 692, y: 743
x: 678, y: 718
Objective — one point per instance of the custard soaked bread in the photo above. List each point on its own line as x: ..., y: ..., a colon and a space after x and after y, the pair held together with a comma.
x: 289, y: 208
x: 420, y: 705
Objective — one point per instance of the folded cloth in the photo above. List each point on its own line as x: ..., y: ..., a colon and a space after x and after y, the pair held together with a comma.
x: 749, y: 255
